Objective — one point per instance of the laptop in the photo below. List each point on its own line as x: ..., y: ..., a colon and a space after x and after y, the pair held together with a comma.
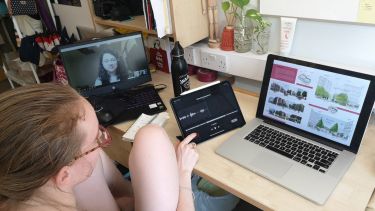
x: 309, y: 124
x: 111, y: 74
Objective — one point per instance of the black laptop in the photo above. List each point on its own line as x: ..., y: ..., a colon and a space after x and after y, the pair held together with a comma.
x: 111, y: 73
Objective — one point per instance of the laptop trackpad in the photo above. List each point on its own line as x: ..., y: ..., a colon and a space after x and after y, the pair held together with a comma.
x: 271, y: 164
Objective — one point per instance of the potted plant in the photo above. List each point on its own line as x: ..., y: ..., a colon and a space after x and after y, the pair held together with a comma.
x: 261, y: 32
x: 237, y: 27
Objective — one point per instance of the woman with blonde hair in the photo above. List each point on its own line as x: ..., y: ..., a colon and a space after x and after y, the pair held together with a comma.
x: 51, y: 158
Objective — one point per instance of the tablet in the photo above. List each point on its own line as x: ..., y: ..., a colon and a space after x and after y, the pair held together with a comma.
x: 210, y: 111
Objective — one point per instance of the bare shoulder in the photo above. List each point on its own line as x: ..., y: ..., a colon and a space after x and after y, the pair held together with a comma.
x: 44, y: 208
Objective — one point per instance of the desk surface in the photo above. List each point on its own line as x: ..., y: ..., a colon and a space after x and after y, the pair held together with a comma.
x: 352, y: 193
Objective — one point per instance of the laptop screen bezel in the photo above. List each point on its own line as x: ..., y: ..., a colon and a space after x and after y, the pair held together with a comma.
x: 107, y: 89
x: 363, y: 117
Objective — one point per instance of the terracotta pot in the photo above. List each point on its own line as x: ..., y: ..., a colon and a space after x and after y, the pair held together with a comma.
x: 227, y: 39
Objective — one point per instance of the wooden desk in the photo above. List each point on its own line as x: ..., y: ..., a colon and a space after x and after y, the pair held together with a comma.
x: 352, y: 193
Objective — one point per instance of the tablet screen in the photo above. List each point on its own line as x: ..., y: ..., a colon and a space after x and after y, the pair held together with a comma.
x: 209, y: 112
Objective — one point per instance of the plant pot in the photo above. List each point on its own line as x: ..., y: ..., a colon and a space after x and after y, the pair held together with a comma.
x: 260, y: 39
x: 227, y: 39
x: 242, y: 35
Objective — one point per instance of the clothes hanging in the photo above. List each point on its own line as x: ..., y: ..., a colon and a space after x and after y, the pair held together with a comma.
x: 46, y: 16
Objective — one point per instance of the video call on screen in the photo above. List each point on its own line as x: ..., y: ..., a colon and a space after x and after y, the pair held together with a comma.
x: 125, y: 54
x: 209, y: 112
x: 317, y: 101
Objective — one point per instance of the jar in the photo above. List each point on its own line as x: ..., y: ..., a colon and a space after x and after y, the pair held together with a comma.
x: 242, y: 35
x: 261, y: 38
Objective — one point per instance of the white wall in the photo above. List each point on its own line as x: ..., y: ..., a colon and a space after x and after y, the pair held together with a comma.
x: 341, y: 44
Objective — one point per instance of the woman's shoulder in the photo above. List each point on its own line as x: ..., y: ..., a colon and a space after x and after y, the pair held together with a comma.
x: 41, y: 207
x: 98, y: 82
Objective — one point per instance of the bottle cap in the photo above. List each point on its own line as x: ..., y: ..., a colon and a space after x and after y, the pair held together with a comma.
x: 177, y: 50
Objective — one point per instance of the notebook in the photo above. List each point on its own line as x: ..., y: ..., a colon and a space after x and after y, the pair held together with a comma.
x: 308, y: 128
x: 143, y: 120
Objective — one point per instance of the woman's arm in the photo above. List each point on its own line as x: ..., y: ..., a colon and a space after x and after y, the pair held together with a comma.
x: 121, y: 189
x: 187, y: 157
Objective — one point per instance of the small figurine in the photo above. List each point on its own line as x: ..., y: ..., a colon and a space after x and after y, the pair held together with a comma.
x: 214, y: 41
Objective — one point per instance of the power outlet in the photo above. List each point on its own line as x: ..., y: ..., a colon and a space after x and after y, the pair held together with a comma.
x: 190, y: 55
x: 214, y: 61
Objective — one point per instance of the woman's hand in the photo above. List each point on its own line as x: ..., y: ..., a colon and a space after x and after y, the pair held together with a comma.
x: 187, y: 155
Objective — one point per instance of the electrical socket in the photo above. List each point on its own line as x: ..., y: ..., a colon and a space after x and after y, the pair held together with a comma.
x: 214, y: 61
x: 190, y: 55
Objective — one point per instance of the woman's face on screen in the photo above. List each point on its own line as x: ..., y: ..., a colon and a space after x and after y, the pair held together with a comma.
x: 109, y: 62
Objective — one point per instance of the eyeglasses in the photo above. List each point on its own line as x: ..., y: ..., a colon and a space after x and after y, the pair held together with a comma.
x: 104, y: 140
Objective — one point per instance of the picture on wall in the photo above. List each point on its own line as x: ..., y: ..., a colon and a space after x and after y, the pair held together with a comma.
x: 76, y: 3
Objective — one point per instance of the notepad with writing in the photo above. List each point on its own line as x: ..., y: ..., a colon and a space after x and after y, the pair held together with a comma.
x: 158, y: 119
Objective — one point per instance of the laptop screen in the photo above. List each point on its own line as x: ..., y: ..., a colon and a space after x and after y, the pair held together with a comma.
x: 315, y: 99
x: 103, y: 65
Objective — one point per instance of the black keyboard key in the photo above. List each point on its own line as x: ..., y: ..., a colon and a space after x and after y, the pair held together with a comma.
x: 309, y: 165
x: 303, y: 161
x: 279, y: 151
x: 322, y: 164
x: 316, y: 167
x: 297, y: 159
x: 321, y: 170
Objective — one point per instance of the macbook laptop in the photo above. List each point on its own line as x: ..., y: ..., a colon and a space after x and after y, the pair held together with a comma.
x: 309, y: 124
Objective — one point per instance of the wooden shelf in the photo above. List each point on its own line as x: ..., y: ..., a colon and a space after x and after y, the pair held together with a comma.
x: 137, y: 24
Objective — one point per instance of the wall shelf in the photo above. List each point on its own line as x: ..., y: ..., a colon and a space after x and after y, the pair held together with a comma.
x: 137, y: 24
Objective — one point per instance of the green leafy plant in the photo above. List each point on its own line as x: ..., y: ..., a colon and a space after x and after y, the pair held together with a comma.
x: 235, y: 9
x: 260, y: 23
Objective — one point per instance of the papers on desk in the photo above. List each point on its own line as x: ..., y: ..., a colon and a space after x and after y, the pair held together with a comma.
x: 143, y: 120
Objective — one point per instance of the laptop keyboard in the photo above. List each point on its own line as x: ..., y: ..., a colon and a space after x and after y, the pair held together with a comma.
x: 139, y: 99
x: 306, y: 153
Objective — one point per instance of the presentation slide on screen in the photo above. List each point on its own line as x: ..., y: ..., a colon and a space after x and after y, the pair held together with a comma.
x: 321, y: 102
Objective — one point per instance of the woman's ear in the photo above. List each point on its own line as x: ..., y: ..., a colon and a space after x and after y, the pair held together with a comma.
x: 64, y: 179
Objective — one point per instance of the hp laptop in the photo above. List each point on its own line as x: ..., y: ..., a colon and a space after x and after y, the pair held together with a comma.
x: 308, y: 127
x: 111, y: 73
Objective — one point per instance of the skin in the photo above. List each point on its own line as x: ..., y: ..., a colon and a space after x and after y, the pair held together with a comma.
x: 93, y: 182
x: 109, y: 63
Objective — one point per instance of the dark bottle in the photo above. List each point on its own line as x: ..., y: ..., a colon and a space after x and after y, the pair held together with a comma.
x: 179, y: 70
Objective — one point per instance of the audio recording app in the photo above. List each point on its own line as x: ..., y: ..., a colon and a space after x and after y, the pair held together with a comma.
x: 209, y: 112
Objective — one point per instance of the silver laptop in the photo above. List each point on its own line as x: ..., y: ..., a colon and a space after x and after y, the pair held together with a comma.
x: 309, y: 125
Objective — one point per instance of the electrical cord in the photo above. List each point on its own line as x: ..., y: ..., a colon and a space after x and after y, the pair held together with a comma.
x: 159, y: 87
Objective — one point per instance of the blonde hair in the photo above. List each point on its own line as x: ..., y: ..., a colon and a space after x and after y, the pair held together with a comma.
x: 38, y: 136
